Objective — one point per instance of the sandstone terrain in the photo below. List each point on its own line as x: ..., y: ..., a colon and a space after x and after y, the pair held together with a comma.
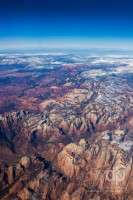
x: 66, y: 127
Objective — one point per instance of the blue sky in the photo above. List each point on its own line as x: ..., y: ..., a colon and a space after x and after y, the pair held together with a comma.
x: 56, y: 23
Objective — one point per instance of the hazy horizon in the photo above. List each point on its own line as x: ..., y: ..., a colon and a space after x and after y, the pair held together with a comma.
x: 59, y: 43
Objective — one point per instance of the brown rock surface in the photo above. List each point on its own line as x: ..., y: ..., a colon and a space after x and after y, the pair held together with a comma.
x: 66, y: 128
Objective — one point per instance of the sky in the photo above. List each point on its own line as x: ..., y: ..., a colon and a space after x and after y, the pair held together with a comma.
x: 66, y: 23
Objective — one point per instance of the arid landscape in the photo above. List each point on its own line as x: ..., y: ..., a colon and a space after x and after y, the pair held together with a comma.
x: 66, y: 126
